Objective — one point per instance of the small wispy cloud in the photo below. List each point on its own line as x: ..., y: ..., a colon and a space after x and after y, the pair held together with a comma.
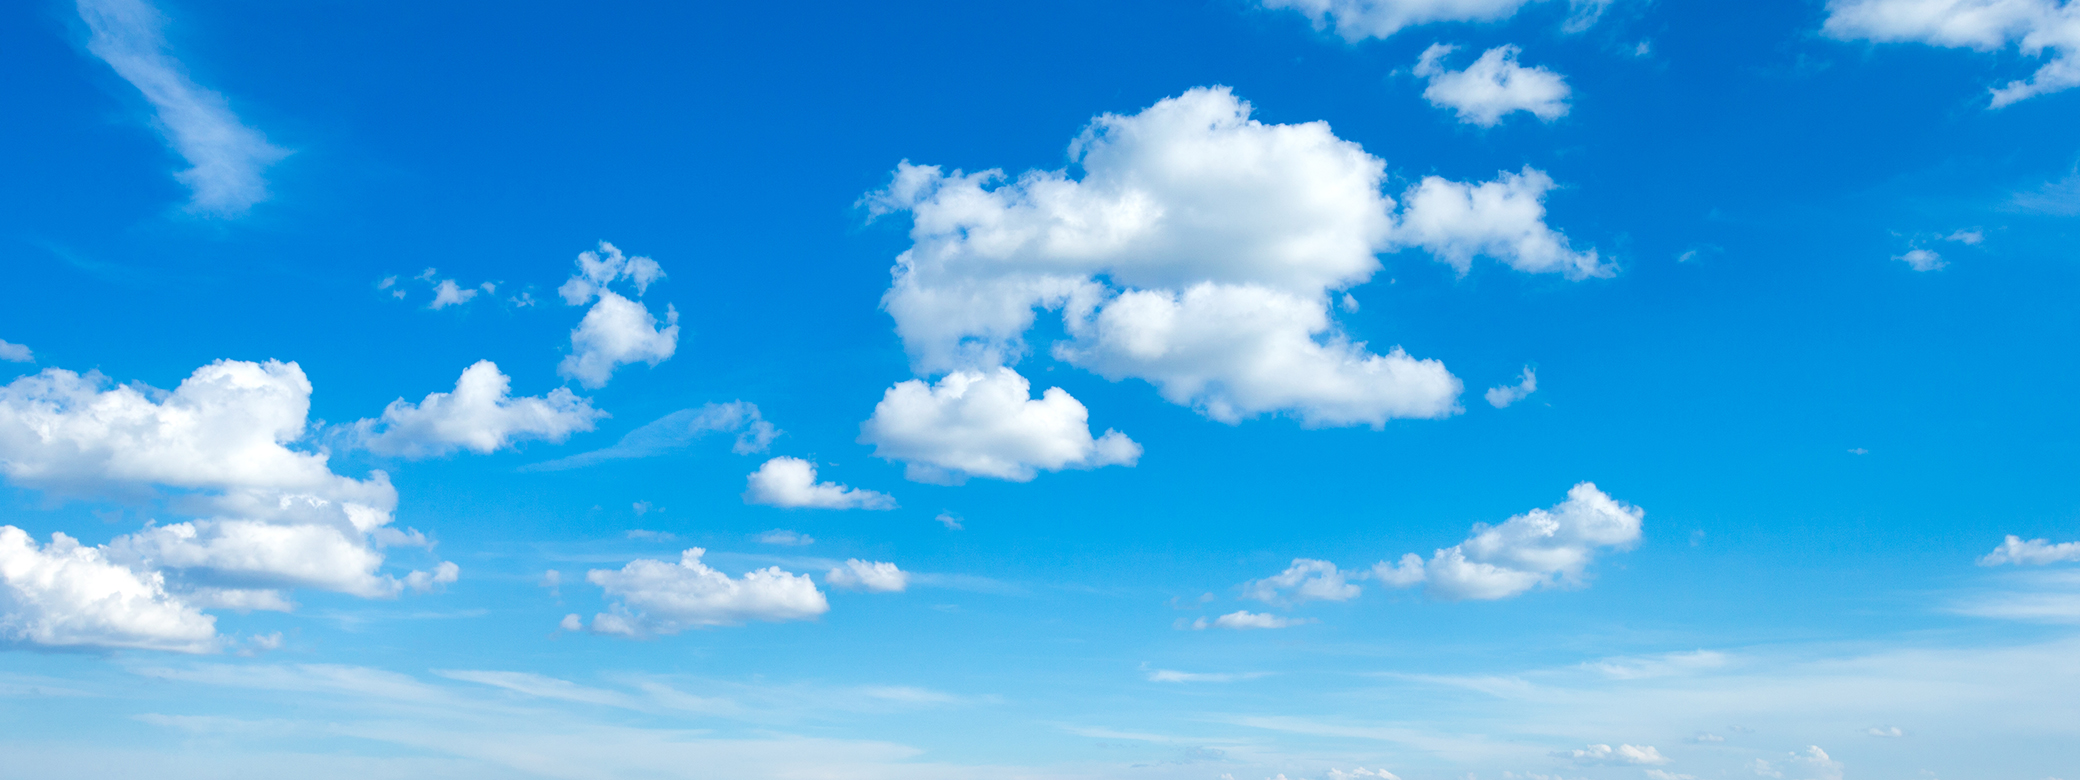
x: 225, y: 156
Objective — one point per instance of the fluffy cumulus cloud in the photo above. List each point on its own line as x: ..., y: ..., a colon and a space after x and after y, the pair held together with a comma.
x: 616, y: 331
x: 1540, y: 548
x: 790, y: 483
x: 870, y: 576
x: 480, y: 415
x: 1622, y: 755
x: 1360, y: 19
x: 1502, y: 396
x: 1493, y: 86
x: 2038, y: 27
x: 69, y: 595
x: 679, y: 430
x: 226, y: 157
x: 660, y: 597
x: 2033, y: 552
x: 1922, y: 259
x: 1305, y: 580
x: 268, y: 517
x: 1200, y: 251
x: 974, y: 423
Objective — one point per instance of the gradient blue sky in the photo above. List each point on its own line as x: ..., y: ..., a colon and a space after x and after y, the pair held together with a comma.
x: 1818, y: 369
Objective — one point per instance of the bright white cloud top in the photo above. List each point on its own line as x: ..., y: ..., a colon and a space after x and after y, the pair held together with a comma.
x: 790, y: 483
x: 1199, y: 252
x: 1541, y: 548
x: 480, y: 415
x: 2034, y: 26
x: 271, y: 518
x: 659, y: 597
x: 226, y: 157
x: 1492, y: 87
x: 68, y: 595
x: 987, y: 424
x: 1359, y: 19
x: 616, y: 331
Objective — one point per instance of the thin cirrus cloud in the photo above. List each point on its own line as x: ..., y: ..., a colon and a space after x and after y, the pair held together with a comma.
x: 1492, y: 87
x: 1359, y: 19
x: 654, y: 597
x: 1245, y: 620
x: 2033, y: 26
x: 988, y: 425
x: 677, y: 431
x: 616, y: 331
x: 480, y: 415
x: 269, y: 518
x: 1199, y: 252
x: 790, y: 483
x: 226, y: 157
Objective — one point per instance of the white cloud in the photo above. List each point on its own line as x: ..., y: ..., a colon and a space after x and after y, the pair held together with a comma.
x: 1359, y: 19
x: 269, y: 517
x: 15, y: 353
x: 678, y: 430
x: 1538, y: 548
x: 1502, y: 219
x: 447, y: 293
x: 2035, y: 26
x: 1200, y: 251
x: 480, y: 415
x: 1922, y: 259
x: 987, y: 424
x: 786, y: 538
x: 1492, y: 86
x: 2035, y: 551
x: 226, y: 156
x: 791, y: 483
x: 870, y: 576
x: 1826, y: 767
x: 1362, y: 772
x: 658, y: 597
x: 1305, y: 580
x: 1502, y: 396
x: 950, y: 520
x: 68, y: 595
x: 1173, y: 676
x: 1885, y: 731
x: 1658, y: 774
x: 1621, y: 755
x: 616, y: 331
x: 1973, y: 237
x: 1242, y: 620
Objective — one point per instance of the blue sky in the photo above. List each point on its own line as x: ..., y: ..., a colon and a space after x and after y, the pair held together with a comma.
x: 1317, y: 389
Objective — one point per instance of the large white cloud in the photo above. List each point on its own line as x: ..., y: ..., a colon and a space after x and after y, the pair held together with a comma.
x: 659, y: 597
x: 1542, y: 547
x: 2036, y: 26
x: 1199, y: 251
x: 790, y: 483
x: 480, y: 415
x: 268, y: 517
x: 616, y: 331
x: 1359, y: 19
x: 226, y: 157
x: 1492, y: 86
x: 987, y: 424
x: 68, y: 595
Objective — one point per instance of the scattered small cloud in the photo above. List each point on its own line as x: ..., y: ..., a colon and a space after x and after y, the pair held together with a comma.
x: 1972, y: 237
x: 870, y: 576
x: 1859, y: 451
x: 1885, y: 731
x: 1244, y: 620
x: 15, y: 353
x: 1502, y: 396
x: 790, y: 483
x: 1622, y: 755
x: 1922, y: 259
x: 2035, y: 551
x: 1703, y: 736
x: 651, y: 536
x: 784, y: 537
x: 953, y: 522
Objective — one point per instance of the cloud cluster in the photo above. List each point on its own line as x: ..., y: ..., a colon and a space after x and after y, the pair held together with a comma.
x: 616, y: 331
x: 790, y: 483
x: 1492, y: 86
x: 1200, y: 251
x: 987, y: 424
x: 656, y: 597
x: 1540, y: 548
x: 677, y: 431
x: 2035, y: 551
x: 480, y: 416
x: 269, y: 518
x: 2035, y: 26
x: 226, y: 157
x: 870, y: 576
x: 1359, y: 19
